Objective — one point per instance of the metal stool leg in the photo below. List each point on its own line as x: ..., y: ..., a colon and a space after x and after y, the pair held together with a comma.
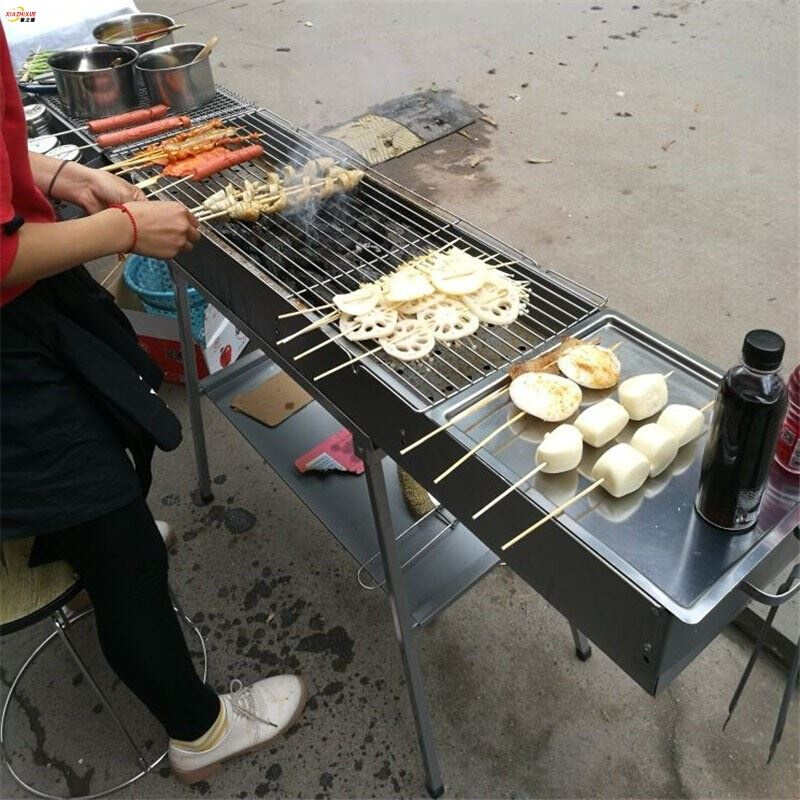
x: 402, y: 620
x: 582, y: 647
x: 61, y: 623
x: 61, y: 627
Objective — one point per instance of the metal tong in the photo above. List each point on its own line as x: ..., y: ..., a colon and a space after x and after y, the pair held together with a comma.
x: 785, y: 592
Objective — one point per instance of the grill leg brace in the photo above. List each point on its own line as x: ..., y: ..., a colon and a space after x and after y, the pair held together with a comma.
x: 402, y: 620
x: 192, y: 386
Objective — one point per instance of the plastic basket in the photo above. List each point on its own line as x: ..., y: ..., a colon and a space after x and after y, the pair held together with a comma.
x: 150, y: 279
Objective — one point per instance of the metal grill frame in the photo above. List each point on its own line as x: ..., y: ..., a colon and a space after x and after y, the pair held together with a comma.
x: 385, y: 210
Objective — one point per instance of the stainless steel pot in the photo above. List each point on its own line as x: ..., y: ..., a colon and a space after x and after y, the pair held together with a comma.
x: 88, y: 84
x: 172, y: 79
x: 125, y: 27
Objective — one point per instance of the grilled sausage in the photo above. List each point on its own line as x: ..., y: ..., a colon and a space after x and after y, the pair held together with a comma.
x: 137, y: 117
x: 228, y: 160
x: 142, y: 131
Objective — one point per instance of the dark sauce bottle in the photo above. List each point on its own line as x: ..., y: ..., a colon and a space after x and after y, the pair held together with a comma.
x: 748, y: 413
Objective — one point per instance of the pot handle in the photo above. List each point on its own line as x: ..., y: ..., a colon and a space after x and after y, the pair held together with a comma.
x: 38, y: 88
x: 789, y: 588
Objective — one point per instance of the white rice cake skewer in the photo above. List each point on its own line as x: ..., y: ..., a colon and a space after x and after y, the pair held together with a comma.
x: 622, y: 469
x: 643, y: 395
x: 685, y: 422
x: 601, y: 422
x: 561, y: 450
x: 658, y: 444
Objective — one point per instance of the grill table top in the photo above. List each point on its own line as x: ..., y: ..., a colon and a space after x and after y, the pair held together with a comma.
x: 653, y: 536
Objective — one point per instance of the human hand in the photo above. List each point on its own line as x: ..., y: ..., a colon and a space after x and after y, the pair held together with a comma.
x: 164, y: 228
x: 94, y: 190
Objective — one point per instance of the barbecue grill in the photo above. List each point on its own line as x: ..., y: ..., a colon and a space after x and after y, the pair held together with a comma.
x: 643, y: 577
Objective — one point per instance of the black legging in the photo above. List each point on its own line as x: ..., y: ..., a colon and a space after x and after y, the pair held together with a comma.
x: 122, y: 561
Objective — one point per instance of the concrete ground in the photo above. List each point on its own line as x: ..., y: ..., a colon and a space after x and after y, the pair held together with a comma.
x: 673, y: 189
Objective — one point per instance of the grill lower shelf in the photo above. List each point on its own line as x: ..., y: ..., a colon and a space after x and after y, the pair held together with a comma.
x: 441, y: 558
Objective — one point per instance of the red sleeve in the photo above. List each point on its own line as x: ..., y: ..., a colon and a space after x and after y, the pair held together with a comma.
x: 19, y: 195
x: 8, y: 243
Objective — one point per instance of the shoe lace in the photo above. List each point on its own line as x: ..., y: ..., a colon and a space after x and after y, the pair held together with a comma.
x: 244, y: 704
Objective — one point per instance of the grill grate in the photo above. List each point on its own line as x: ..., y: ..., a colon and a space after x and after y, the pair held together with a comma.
x: 330, y: 247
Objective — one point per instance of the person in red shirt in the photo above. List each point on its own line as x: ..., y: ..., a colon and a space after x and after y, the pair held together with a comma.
x: 79, y: 422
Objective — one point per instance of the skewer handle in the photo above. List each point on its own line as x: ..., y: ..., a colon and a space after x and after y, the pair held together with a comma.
x: 507, y: 492
x: 348, y: 363
x: 482, y: 443
x: 317, y: 347
x: 304, y: 311
x: 554, y: 513
x: 313, y: 326
x: 457, y: 418
x: 708, y: 405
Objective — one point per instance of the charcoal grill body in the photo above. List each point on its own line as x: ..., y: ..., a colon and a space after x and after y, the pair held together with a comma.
x: 651, y: 600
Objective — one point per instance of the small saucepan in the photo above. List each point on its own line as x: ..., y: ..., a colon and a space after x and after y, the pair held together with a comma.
x: 173, y: 77
x: 120, y: 30
x: 96, y: 80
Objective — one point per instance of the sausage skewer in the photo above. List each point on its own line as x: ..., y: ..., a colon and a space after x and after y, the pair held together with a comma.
x: 136, y: 117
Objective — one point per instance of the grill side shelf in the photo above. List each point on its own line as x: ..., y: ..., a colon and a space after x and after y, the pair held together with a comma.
x: 441, y: 558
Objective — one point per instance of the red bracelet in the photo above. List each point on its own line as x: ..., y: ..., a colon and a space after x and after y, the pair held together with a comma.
x: 126, y: 210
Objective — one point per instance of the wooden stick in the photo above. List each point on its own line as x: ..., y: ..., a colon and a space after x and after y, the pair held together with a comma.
x: 457, y: 418
x: 317, y: 347
x: 482, y: 443
x: 361, y: 357
x: 554, y: 513
x: 313, y: 326
x: 707, y: 406
x: 510, y: 489
x: 305, y: 311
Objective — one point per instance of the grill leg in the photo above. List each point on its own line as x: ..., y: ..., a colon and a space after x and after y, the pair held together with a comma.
x: 402, y: 620
x: 582, y: 647
x: 192, y: 386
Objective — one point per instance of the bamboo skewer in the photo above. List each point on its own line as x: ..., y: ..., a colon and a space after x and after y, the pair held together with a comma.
x: 484, y: 401
x: 318, y: 324
x: 305, y: 311
x: 361, y: 357
x: 317, y: 347
x: 507, y: 492
x: 554, y: 513
x: 482, y: 443
x: 707, y: 406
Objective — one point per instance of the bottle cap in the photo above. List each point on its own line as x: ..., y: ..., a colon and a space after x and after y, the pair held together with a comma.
x: 763, y: 350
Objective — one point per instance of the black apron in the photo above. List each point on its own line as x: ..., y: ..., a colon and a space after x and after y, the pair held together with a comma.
x: 79, y: 417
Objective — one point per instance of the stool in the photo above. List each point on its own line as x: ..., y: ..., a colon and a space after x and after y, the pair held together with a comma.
x: 31, y: 594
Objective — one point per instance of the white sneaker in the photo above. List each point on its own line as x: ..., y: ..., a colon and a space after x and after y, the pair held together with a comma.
x: 254, y: 716
x: 167, y: 533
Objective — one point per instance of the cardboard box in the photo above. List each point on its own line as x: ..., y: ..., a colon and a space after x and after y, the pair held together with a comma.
x: 159, y: 337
